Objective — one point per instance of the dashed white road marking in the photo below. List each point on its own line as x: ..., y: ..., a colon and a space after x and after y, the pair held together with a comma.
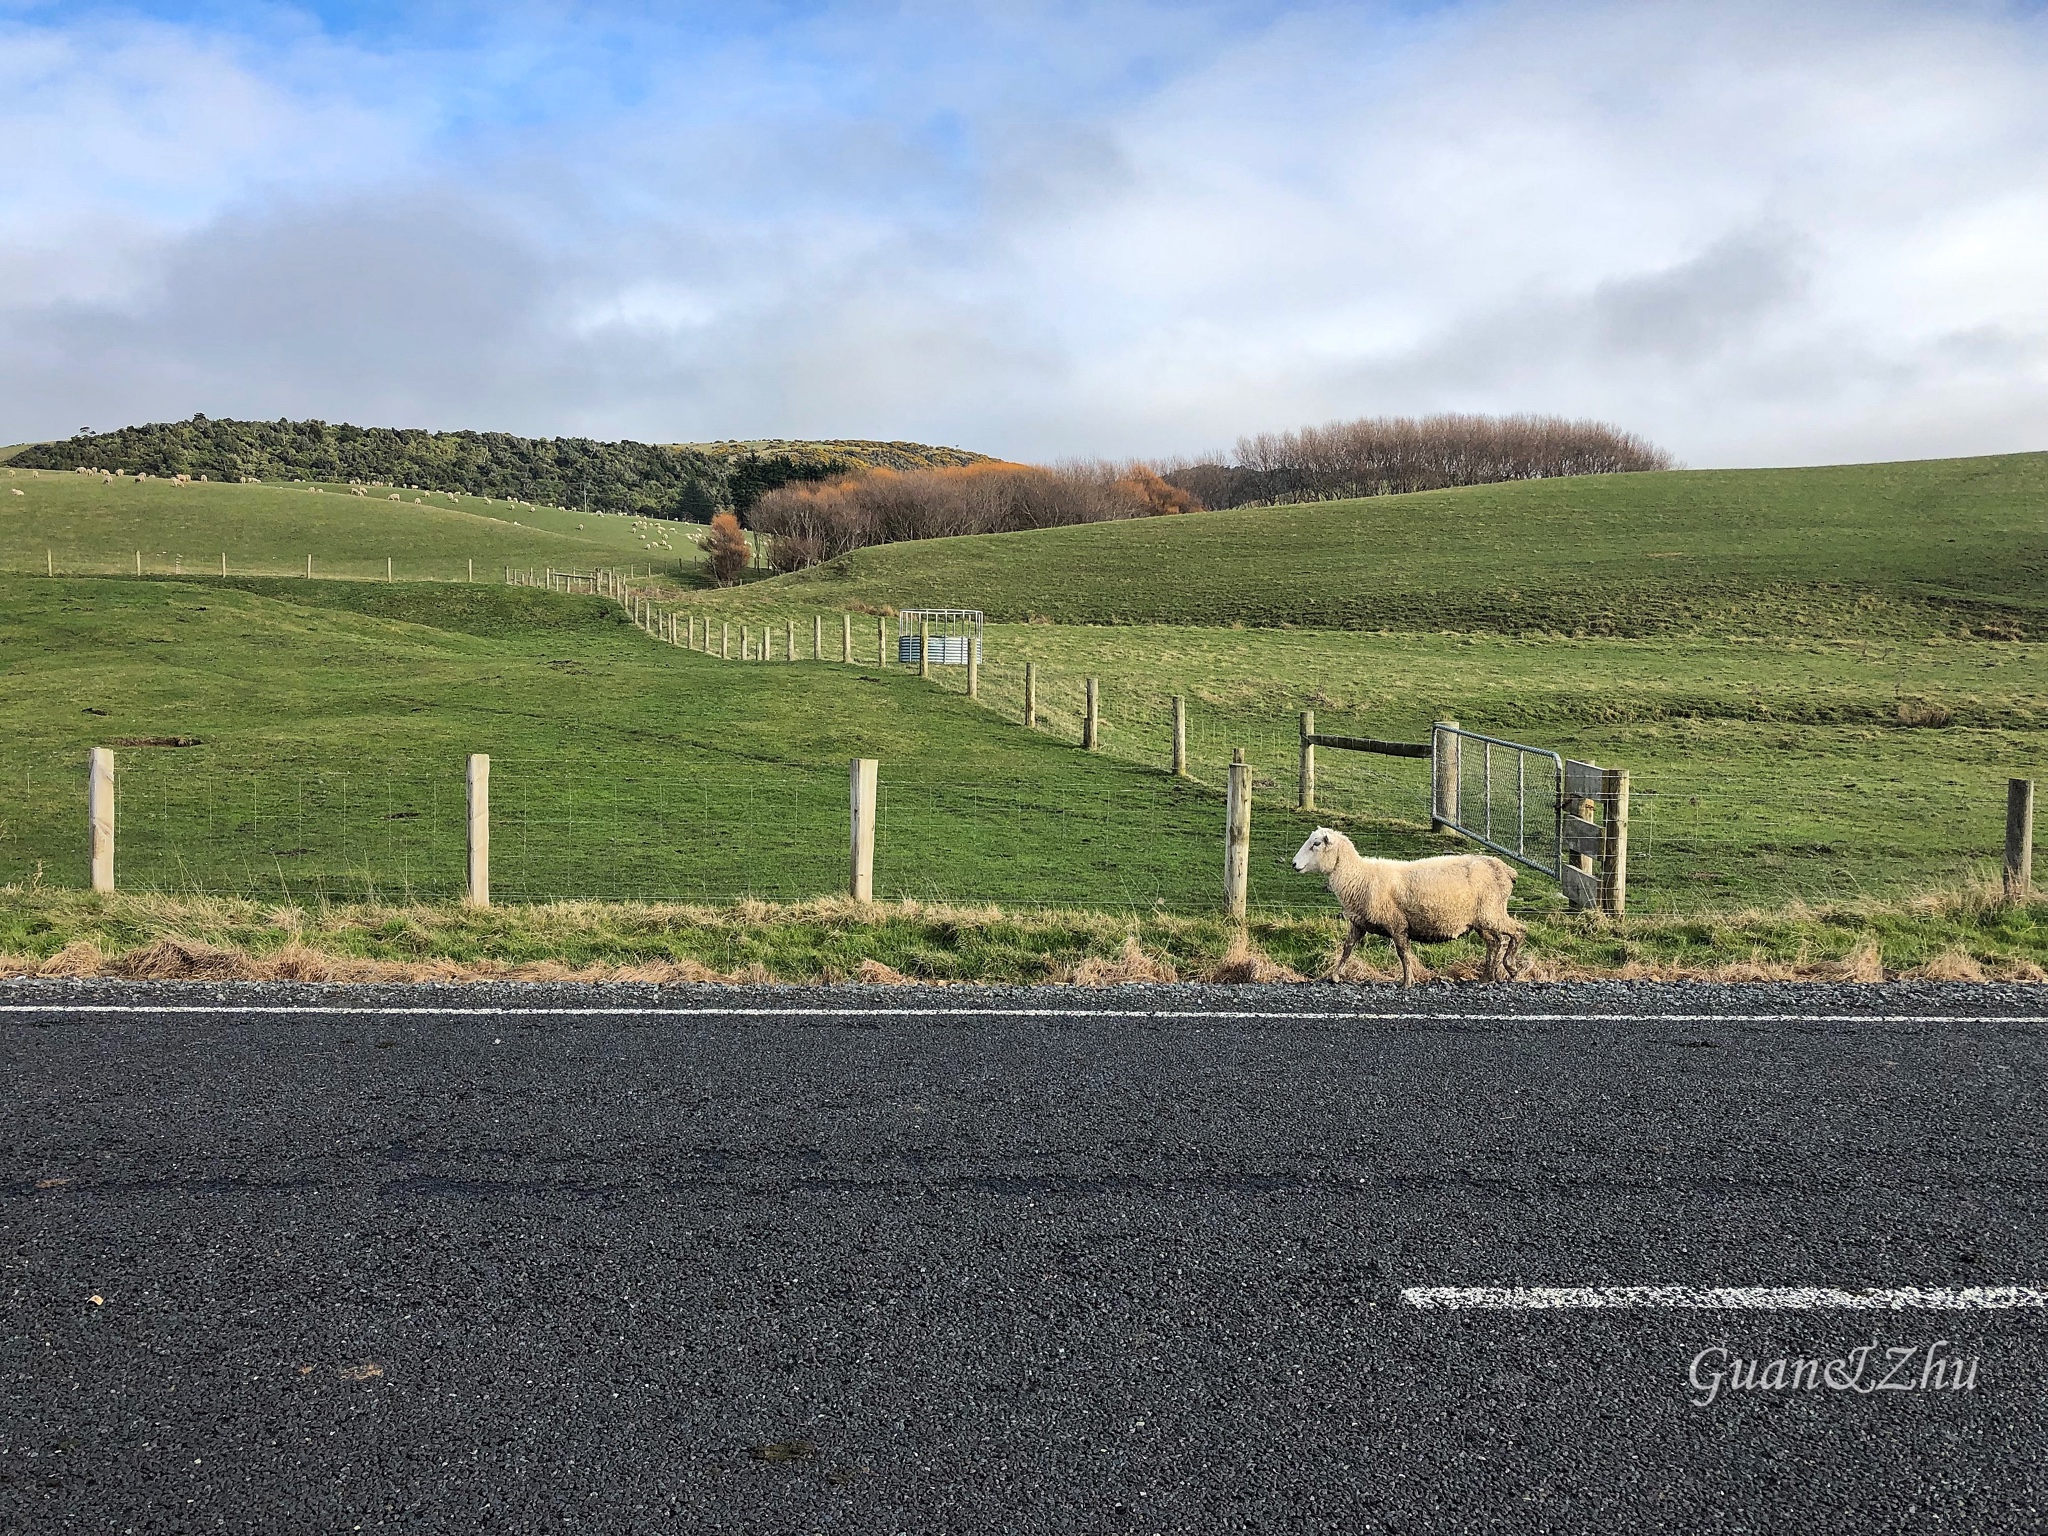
x: 1308, y: 1015
x: 1727, y: 1298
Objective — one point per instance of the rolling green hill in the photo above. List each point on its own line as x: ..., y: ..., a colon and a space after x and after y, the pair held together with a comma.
x: 80, y: 525
x: 305, y: 741
x: 1864, y: 549
x: 681, y: 481
x: 1780, y: 657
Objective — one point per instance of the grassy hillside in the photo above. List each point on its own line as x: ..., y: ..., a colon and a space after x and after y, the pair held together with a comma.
x: 300, y: 752
x: 87, y: 527
x: 1880, y: 549
x: 1818, y: 728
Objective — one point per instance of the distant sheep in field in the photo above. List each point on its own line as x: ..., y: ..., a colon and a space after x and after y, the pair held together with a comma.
x: 1429, y: 900
x: 357, y: 490
x: 17, y: 490
x: 394, y: 496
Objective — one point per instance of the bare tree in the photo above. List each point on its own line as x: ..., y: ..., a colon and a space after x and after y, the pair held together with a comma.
x: 1387, y: 455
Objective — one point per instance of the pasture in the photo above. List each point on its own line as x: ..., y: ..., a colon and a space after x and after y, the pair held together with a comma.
x: 1852, y: 760
x: 84, y: 527
x: 1872, y: 549
x: 305, y: 741
x: 1811, y: 673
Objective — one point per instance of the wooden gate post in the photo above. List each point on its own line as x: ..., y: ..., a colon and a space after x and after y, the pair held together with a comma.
x: 1445, y: 761
x: 846, y: 638
x: 791, y: 638
x: 1030, y: 695
x: 974, y: 666
x: 1237, y: 837
x: 861, y: 881
x: 924, y: 647
x: 479, y: 785
x: 2019, y: 839
x: 1091, y: 724
x: 1613, y: 841
x: 99, y: 810
x: 817, y: 637
x: 1307, y: 800
x: 1584, y: 789
x: 1180, y: 736
x: 724, y: 640
x: 881, y: 640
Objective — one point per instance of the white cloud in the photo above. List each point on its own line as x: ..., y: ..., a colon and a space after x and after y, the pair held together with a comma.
x: 1756, y: 235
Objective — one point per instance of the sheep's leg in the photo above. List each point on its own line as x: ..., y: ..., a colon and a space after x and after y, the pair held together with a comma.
x: 1352, y: 933
x: 1510, y: 950
x: 1407, y: 956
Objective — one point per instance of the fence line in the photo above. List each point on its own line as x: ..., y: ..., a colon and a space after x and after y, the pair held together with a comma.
x: 525, y: 832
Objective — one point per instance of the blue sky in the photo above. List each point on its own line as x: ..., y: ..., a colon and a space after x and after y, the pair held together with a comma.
x: 1758, y: 233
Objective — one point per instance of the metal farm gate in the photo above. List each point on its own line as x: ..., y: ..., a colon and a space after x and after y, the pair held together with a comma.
x: 1556, y: 815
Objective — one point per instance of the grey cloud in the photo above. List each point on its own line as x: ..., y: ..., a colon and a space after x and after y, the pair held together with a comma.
x: 1700, y: 308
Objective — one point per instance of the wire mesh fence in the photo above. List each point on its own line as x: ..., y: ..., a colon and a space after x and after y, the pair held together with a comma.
x: 666, y: 828
x: 657, y: 831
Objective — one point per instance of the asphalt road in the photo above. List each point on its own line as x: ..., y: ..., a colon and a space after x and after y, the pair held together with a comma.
x: 1124, y: 1261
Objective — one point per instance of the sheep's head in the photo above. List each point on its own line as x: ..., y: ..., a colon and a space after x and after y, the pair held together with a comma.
x: 1319, y: 854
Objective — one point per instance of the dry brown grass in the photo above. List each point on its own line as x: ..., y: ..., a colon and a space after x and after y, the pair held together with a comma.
x: 1132, y: 964
x: 1244, y: 961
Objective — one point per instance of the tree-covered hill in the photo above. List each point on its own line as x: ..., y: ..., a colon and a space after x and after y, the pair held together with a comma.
x: 687, y: 481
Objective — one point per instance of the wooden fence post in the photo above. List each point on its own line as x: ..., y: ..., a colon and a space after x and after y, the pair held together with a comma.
x: 387, y: 568
x: 791, y: 656
x: 881, y: 640
x: 138, y: 564
x: 846, y: 639
x: 1180, y: 736
x: 1580, y: 876
x: 1091, y: 723
x: 924, y: 647
x: 472, y: 569
x: 224, y: 567
x: 817, y: 637
x: 1030, y: 695
x: 1445, y: 760
x: 309, y: 567
x: 1613, y: 841
x: 724, y: 640
x: 861, y: 881
x: 1307, y: 799
x: 974, y: 666
x: 99, y: 810
x: 1237, y: 837
x: 478, y: 782
x: 2019, y: 839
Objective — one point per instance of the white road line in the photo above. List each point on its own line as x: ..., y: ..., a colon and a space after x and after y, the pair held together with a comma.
x: 1309, y: 1015
x: 1738, y: 1298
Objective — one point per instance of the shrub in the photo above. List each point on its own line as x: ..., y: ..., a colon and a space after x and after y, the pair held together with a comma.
x: 817, y: 522
x: 725, y: 549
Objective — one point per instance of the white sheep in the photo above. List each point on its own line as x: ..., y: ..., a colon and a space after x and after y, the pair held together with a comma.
x: 1431, y: 900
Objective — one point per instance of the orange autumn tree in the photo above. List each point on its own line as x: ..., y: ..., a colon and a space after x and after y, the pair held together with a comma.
x: 725, y: 549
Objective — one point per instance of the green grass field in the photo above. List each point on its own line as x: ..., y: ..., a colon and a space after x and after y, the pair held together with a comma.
x: 1814, y: 713
x: 327, y: 722
x: 1796, y: 665
x: 1879, y: 549
x: 80, y: 526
